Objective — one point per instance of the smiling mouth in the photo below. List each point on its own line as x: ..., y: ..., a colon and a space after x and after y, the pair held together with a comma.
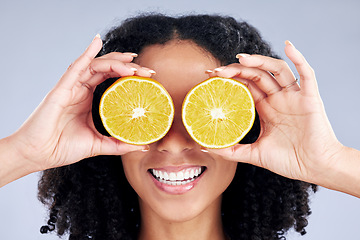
x: 182, y: 177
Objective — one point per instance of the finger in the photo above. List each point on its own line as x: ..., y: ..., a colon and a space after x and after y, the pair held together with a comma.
x: 211, y: 73
x: 279, y: 68
x: 104, y: 145
x: 123, y: 57
x: 101, y: 65
x: 257, y: 94
x: 238, y: 153
x: 263, y: 79
x: 142, y: 71
x: 112, y: 146
x: 306, y: 73
x: 81, y: 64
x: 101, y: 69
x: 152, y: 72
x: 128, y: 57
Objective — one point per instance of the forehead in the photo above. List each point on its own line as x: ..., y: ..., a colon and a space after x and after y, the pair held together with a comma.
x: 175, y: 50
x: 179, y: 64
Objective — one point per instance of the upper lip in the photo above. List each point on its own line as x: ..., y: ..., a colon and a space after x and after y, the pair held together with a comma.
x: 190, y: 158
x: 177, y: 163
x: 175, y: 168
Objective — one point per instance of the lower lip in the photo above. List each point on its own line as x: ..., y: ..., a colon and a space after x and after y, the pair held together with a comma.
x: 176, y: 189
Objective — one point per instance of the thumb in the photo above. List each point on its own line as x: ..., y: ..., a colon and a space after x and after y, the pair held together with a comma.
x: 238, y: 153
x: 112, y: 146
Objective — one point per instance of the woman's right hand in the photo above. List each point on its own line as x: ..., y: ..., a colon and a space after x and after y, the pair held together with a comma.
x: 296, y: 139
x: 61, y: 130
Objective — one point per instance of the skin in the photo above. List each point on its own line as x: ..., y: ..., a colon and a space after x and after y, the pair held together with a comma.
x: 294, y: 122
x: 46, y: 138
x: 195, y: 214
x: 296, y: 138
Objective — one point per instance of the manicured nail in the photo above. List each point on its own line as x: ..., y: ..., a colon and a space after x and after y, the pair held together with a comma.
x: 242, y: 55
x: 287, y: 42
x: 133, y: 69
x: 131, y: 54
x: 209, y: 71
x: 97, y: 36
x: 146, y: 148
x: 219, y: 69
x: 203, y: 149
x: 152, y: 72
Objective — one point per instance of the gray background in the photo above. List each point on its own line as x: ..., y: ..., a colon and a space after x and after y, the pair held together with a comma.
x: 39, y: 39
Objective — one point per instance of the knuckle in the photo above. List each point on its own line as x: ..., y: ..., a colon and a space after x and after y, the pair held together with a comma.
x: 230, y: 70
x: 106, y: 75
x: 87, y: 85
x: 246, y: 83
x: 91, y: 70
x: 281, y: 65
x: 256, y: 78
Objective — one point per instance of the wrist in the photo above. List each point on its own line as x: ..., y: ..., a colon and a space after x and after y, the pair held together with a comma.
x: 343, y: 172
x: 13, y: 164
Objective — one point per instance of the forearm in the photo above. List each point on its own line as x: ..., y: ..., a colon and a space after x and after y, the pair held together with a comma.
x: 12, y: 165
x: 344, y: 176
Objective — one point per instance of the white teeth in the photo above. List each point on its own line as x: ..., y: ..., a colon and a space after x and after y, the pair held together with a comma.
x: 192, y: 173
x: 177, y: 178
x: 180, y: 176
x: 186, y: 175
x: 165, y: 175
x: 172, y: 176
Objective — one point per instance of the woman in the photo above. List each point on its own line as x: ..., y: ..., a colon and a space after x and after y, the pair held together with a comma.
x: 258, y: 203
x: 92, y: 199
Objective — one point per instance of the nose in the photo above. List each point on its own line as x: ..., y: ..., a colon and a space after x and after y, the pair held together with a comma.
x: 177, y: 140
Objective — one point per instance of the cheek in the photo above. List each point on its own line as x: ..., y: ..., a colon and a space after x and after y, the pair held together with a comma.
x: 131, y: 169
x: 225, y: 173
x: 127, y: 171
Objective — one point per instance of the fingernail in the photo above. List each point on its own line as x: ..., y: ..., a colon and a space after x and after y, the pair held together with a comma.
x: 96, y: 36
x: 203, y: 149
x: 287, y: 42
x: 152, y: 72
x: 209, y: 71
x: 133, y: 69
x: 131, y: 54
x: 219, y: 69
x: 146, y: 148
x: 242, y: 55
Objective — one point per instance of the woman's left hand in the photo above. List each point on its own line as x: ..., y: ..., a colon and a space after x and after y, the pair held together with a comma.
x: 61, y: 130
x: 296, y: 139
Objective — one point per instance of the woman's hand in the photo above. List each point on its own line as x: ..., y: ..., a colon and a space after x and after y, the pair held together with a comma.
x: 296, y: 138
x: 61, y: 129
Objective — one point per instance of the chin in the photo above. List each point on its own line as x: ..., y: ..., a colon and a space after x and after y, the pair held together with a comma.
x: 183, y: 209
x: 180, y: 216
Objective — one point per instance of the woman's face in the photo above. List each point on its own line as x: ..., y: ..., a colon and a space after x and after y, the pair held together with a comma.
x: 180, y: 65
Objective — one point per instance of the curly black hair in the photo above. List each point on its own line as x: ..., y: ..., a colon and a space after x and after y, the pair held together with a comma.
x: 92, y: 198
